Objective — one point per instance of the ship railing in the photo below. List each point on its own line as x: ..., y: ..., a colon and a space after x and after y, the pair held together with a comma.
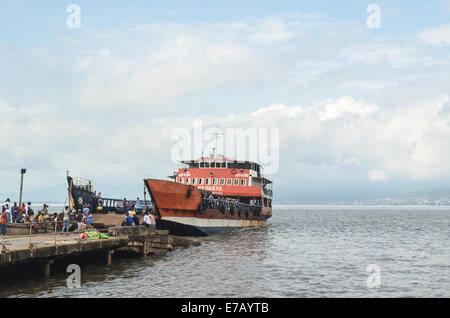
x: 212, y: 203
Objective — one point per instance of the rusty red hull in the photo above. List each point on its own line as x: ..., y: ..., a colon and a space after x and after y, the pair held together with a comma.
x: 180, y: 205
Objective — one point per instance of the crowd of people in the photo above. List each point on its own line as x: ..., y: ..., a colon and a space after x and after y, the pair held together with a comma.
x: 227, y: 204
x: 13, y: 213
x: 132, y: 219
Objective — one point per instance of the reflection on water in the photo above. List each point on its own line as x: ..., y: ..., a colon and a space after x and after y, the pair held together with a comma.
x: 305, y: 251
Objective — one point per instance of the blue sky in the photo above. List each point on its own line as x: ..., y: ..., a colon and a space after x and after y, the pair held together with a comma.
x: 359, y: 109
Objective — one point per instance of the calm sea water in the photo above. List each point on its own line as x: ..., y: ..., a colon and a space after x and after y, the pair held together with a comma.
x: 305, y: 251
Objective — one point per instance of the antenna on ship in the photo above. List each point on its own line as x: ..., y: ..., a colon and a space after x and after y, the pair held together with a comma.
x: 216, y: 134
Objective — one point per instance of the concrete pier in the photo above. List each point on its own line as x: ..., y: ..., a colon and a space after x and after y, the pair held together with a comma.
x: 46, y: 248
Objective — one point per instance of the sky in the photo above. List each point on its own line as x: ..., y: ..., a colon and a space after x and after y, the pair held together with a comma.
x: 361, y: 110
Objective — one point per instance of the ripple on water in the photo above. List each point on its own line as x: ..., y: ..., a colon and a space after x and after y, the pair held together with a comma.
x: 305, y: 251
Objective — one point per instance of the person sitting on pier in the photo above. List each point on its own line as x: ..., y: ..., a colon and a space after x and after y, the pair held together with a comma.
x: 90, y: 219
x: 135, y: 219
x: 20, y: 218
x: 147, y: 221
x: 41, y: 217
x: 128, y: 221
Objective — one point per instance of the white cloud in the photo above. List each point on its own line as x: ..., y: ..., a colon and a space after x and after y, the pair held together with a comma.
x: 409, y: 142
x: 368, y: 86
x: 378, y: 53
x: 377, y: 175
x: 436, y: 36
x: 396, y: 55
x: 337, y: 108
x: 308, y: 71
x: 182, y: 66
x: 341, y: 133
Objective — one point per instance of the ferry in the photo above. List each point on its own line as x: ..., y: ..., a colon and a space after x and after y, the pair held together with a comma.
x: 211, y: 194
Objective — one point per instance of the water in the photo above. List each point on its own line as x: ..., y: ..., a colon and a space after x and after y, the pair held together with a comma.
x: 305, y: 251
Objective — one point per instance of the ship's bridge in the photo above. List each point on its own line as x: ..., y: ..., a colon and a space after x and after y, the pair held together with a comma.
x: 224, y: 163
x: 224, y: 176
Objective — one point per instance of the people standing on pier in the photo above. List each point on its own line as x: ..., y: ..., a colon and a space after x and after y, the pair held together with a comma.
x: 15, y: 212
x: 29, y: 210
x: 86, y: 211
x: 66, y: 219
x: 7, y: 206
x: 3, y: 220
x: 21, y: 210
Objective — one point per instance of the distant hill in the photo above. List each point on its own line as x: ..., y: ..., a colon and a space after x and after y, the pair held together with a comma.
x: 439, y: 196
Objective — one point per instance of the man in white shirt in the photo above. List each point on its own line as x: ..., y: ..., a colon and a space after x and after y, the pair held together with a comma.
x: 7, y: 206
x: 86, y: 211
x: 147, y: 220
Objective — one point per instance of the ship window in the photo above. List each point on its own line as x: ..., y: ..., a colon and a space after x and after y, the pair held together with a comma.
x: 224, y: 165
x: 188, y: 180
x: 265, y: 201
x: 270, y: 203
x: 207, y: 181
x: 200, y: 181
x: 222, y: 181
x: 215, y: 181
x: 202, y: 164
x: 243, y: 182
x: 229, y: 181
x: 181, y: 180
x: 236, y: 182
x: 194, y: 180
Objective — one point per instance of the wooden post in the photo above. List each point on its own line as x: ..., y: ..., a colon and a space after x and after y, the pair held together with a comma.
x: 109, y: 257
x: 47, y: 264
x: 144, y: 250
